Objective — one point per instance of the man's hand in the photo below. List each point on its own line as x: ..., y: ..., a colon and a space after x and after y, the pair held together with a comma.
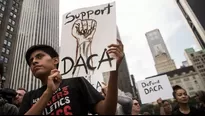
x: 54, y: 81
x: 118, y: 51
x: 84, y: 30
x: 104, y: 89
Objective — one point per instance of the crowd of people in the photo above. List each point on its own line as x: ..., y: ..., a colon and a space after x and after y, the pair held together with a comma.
x: 76, y: 96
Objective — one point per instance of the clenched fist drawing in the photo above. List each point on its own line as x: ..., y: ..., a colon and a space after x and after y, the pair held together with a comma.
x: 83, y: 31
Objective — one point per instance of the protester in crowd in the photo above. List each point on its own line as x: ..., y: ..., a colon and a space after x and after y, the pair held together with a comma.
x: 74, y: 96
x: 182, y: 99
x: 200, y: 98
x: 124, y: 102
x: 6, y: 96
x: 165, y: 107
x: 136, y: 107
x: 19, y: 97
x: 6, y: 106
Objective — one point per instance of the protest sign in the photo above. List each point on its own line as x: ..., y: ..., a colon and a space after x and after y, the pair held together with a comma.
x: 154, y: 88
x: 86, y: 34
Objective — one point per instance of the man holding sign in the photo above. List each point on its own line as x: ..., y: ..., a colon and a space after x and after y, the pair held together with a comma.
x: 71, y: 96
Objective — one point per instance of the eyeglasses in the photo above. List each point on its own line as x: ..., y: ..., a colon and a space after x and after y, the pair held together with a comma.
x: 136, y: 104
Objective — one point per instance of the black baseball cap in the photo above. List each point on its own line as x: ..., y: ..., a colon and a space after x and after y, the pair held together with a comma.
x: 45, y: 48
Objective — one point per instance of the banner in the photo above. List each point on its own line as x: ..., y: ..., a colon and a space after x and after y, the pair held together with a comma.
x: 86, y: 34
x: 154, y: 88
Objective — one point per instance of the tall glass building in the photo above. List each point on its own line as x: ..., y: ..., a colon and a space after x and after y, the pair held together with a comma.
x: 39, y: 24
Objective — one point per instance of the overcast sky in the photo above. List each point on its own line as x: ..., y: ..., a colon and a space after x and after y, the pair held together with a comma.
x: 134, y: 19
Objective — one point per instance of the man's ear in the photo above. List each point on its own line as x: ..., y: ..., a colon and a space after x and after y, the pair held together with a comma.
x: 56, y: 60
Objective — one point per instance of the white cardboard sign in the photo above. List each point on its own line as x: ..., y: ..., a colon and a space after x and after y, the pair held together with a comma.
x: 154, y: 88
x: 86, y: 34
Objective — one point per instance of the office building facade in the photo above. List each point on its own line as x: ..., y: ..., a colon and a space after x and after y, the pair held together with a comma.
x: 197, y: 59
x: 10, y: 11
x: 39, y: 24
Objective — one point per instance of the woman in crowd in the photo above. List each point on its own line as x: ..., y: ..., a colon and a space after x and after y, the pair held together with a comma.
x: 182, y: 99
x: 135, y: 107
x: 165, y: 107
x: 200, y: 97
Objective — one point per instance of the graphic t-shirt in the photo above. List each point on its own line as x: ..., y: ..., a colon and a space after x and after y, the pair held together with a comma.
x: 75, y: 96
x: 193, y: 112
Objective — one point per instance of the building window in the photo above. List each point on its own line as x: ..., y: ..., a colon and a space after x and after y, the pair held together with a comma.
x: 2, y: 58
x: 178, y: 81
x: 0, y: 21
x: 3, y: 49
x: 8, y: 27
x: 17, y: 4
x: 7, y: 51
x: 10, y: 20
x: 14, y: 16
x: 15, y: 10
x: 5, y: 42
x: 10, y: 36
x: 12, y: 29
x: 1, y: 15
x: 7, y: 34
x: 6, y: 60
x: 13, y: 22
x: 186, y: 79
x: 196, y: 82
x: 12, y: 8
x: 194, y: 77
x: 9, y: 43
x: 4, y: 2
x: 192, y: 93
x: 3, y: 8
x: 191, y: 88
x: 11, y: 14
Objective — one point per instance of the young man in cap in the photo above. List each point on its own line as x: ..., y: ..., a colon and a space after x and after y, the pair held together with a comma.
x: 74, y: 96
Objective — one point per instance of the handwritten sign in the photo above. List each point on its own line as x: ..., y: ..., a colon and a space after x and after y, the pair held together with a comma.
x: 154, y: 88
x: 86, y: 34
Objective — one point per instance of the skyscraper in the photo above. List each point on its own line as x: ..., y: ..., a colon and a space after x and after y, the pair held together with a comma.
x: 194, y: 13
x: 39, y: 24
x: 162, y: 59
x: 10, y: 11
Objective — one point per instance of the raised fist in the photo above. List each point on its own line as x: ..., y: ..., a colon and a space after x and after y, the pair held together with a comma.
x: 84, y: 30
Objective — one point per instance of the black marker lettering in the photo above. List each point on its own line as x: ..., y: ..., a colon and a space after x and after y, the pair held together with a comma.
x: 79, y: 65
x: 69, y: 16
x: 65, y: 71
x: 88, y: 62
x: 104, y: 60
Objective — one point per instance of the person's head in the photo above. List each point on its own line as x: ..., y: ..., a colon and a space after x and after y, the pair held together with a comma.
x: 180, y: 95
x: 42, y: 59
x: 167, y: 107
x: 135, y: 106
x: 19, y: 97
x: 200, y: 96
x: 8, y: 94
